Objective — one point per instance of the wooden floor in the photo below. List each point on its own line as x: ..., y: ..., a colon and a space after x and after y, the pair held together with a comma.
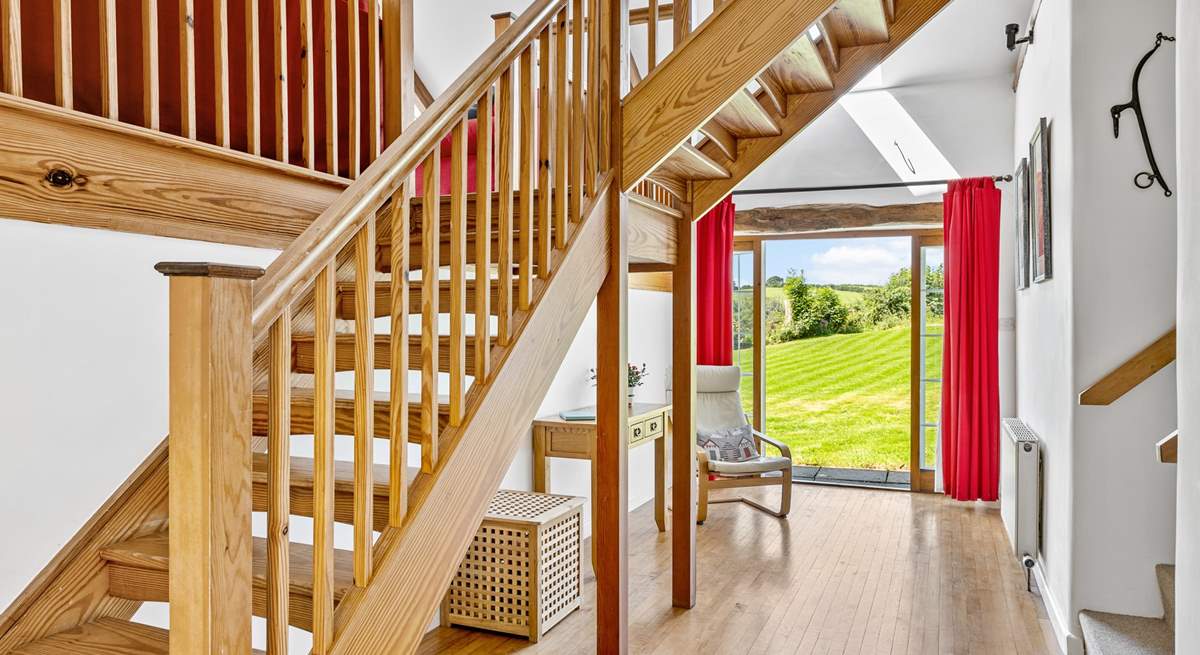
x: 850, y: 571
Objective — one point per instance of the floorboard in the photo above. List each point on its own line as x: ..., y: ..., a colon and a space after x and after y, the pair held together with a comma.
x: 851, y: 571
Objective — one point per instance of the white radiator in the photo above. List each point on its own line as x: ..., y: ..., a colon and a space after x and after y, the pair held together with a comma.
x: 1021, y: 489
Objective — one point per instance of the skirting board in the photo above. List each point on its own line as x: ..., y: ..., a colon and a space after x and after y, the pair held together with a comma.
x: 1068, y: 643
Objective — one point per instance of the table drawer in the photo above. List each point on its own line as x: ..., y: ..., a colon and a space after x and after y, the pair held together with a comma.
x: 654, y: 425
x: 637, y: 432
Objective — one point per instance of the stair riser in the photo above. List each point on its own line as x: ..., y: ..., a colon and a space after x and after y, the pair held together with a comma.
x: 383, y: 253
x: 304, y: 357
x: 343, y: 417
x: 300, y: 503
x: 383, y: 299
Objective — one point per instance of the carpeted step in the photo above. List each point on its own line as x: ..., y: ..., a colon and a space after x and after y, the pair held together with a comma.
x: 1121, y: 634
x: 1166, y: 585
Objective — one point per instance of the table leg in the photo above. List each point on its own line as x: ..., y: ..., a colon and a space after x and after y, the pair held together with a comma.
x: 660, y: 481
x: 541, y: 463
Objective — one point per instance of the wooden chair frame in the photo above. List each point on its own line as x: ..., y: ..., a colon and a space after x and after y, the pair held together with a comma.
x: 707, y: 484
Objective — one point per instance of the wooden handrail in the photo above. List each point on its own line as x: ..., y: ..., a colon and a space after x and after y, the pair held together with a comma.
x: 1132, y: 372
x: 291, y: 274
x: 1167, y: 448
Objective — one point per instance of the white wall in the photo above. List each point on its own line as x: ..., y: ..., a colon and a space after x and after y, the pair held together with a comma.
x: 1109, y: 508
x: 1187, y: 537
x: 84, y: 376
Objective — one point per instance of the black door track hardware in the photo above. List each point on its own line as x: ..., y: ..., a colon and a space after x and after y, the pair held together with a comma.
x: 1144, y: 179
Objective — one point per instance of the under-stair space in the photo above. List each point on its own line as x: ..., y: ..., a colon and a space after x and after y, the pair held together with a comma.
x: 1121, y: 634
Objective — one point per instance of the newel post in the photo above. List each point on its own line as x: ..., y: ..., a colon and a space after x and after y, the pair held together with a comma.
x: 209, y: 456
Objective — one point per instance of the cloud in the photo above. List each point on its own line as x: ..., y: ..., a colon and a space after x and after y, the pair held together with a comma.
x: 859, y: 264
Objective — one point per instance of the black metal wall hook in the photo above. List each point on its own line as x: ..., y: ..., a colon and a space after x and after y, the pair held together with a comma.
x: 1144, y: 179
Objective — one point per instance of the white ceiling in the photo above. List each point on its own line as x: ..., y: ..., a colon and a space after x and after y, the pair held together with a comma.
x: 953, y: 77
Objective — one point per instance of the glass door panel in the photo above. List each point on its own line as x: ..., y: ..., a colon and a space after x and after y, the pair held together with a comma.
x: 927, y: 324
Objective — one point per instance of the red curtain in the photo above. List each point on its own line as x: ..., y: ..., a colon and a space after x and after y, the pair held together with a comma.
x: 970, y: 382
x: 714, y: 285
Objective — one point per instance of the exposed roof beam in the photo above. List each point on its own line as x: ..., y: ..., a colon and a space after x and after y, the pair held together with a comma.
x: 423, y: 95
x: 809, y: 218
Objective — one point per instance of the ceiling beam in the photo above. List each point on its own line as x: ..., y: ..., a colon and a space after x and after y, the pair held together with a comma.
x: 762, y: 221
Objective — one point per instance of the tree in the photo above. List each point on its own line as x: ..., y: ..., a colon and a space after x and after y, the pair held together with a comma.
x: 935, y: 285
x: 775, y: 281
x: 887, y: 306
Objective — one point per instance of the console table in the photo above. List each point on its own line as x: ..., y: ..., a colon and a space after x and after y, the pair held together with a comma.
x: 554, y: 436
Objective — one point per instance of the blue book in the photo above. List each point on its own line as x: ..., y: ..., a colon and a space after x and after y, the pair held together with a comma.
x: 580, y: 414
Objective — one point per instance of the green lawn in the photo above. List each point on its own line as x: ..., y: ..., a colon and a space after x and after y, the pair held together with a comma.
x: 847, y: 297
x: 843, y: 400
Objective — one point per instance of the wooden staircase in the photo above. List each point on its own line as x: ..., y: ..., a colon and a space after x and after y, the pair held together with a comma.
x: 481, y: 306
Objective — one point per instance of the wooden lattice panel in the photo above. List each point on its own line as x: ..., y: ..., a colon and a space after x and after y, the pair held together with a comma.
x: 521, y: 575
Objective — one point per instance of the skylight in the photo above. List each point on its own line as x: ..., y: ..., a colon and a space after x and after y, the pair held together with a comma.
x: 900, y: 141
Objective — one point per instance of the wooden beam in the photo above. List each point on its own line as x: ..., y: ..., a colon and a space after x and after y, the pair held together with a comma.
x: 1168, y: 448
x: 1131, y: 372
x: 802, y: 109
x: 651, y: 281
x: 808, y: 218
x: 694, y: 82
x: 210, y: 506
x: 423, y: 95
x: 651, y: 231
x: 683, y: 418
x: 131, y: 179
x: 641, y: 15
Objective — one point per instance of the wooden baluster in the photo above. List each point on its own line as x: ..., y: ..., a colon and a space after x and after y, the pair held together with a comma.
x: 323, y: 465
x: 458, y: 267
x: 353, y: 89
x: 681, y: 17
x: 596, y: 90
x: 108, y: 58
x: 401, y: 211
x: 10, y: 37
x: 308, y: 140
x: 398, y: 77
x: 575, y: 180
x: 431, y: 238
x: 483, y: 235
x: 562, y: 126
x: 279, y: 424
x: 331, y: 104
x: 253, y: 81
x: 651, y: 36
x: 209, y: 471
x: 221, y: 71
x: 374, y: 124
x: 364, y: 399
x: 279, y: 26
x: 64, y: 95
x: 150, y: 92
x: 545, y: 157
x: 527, y: 162
x: 504, y: 184
x: 187, y: 69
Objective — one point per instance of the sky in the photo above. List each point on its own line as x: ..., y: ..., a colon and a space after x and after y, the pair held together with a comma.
x: 837, y: 261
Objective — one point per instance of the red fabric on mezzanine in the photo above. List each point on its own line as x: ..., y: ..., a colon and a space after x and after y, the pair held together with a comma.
x: 970, y: 378
x: 714, y: 285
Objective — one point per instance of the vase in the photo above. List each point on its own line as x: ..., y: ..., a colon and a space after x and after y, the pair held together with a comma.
x: 630, y: 396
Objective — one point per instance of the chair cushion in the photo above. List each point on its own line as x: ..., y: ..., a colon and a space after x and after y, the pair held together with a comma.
x: 760, y: 464
x: 729, y: 445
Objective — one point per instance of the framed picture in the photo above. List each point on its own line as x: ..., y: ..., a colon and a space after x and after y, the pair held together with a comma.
x: 1040, y: 253
x: 1021, y: 185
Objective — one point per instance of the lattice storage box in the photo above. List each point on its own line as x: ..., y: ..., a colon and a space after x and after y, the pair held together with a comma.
x: 521, y: 574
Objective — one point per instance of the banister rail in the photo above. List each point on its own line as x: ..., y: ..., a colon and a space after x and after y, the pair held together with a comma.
x: 293, y: 271
x: 1131, y: 372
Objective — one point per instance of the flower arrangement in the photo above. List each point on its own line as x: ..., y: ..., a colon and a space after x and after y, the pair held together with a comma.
x: 637, y: 376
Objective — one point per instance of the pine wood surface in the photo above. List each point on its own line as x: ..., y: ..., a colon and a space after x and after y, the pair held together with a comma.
x: 809, y: 218
x: 852, y: 571
x: 1131, y: 372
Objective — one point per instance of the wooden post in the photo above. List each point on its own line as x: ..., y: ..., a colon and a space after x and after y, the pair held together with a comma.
x: 681, y: 20
x: 683, y: 416
x: 398, y: 78
x: 609, y: 523
x: 501, y: 21
x: 759, y: 336
x: 209, y: 464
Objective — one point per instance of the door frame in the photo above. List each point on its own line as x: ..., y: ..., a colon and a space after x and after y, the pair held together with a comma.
x: 919, y: 480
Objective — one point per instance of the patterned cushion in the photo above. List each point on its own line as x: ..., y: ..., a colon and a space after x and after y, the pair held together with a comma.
x: 729, y: 445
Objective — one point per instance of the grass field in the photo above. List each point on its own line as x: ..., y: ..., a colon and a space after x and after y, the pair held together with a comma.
x: 843, y: 400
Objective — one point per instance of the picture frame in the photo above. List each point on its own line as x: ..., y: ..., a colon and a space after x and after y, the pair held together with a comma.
x: 1021, y: 187
x: 1041, y: 257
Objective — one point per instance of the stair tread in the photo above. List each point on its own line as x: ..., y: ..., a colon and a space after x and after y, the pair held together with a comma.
x: 304, y: 352
x: 687, y: 163
x: 746, y: 118
x: 858, y: 22
x: 152, y: 553
x: 1122, y: 634
x: 383, y: 296
x: 105, y: 636
x: 304, y: 400
x: 800, y: 68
